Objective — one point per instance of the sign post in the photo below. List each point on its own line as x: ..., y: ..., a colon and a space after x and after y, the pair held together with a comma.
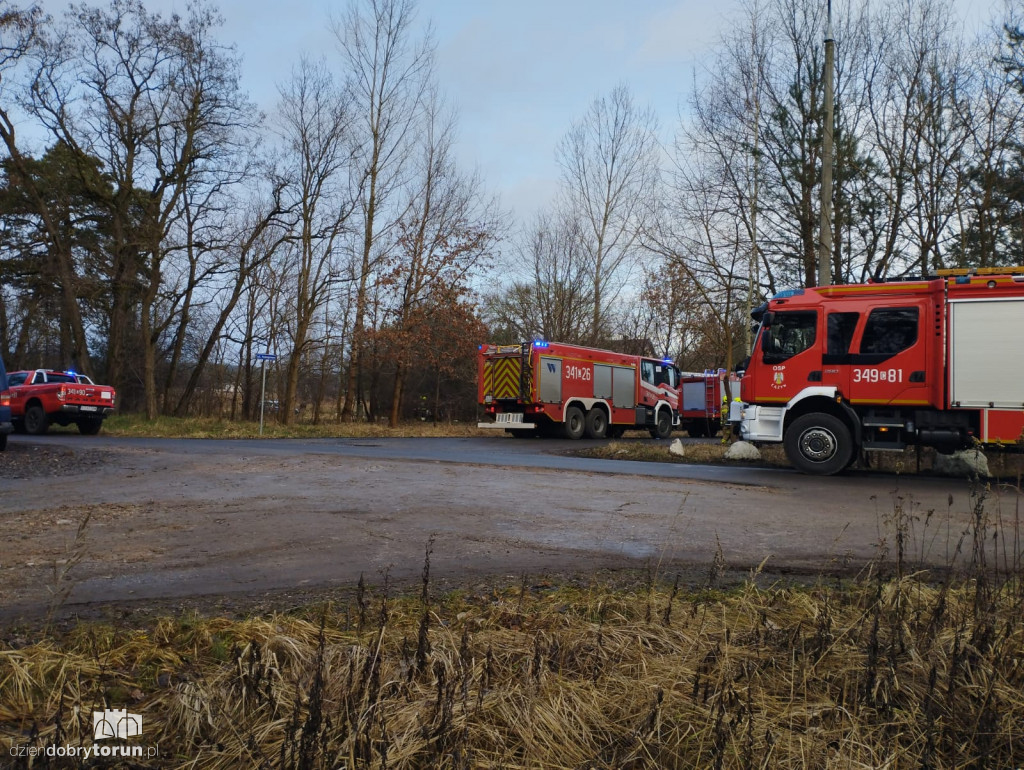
x: 263, y: 358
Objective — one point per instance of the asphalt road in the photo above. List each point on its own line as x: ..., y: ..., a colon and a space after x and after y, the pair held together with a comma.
x: 169, y: 519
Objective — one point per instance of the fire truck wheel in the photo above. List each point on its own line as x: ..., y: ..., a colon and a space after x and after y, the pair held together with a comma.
x: 819, y: 444
x: 662, y: 425
x: 36, y: 421
x: 574, y: 424
x: 597, y: 423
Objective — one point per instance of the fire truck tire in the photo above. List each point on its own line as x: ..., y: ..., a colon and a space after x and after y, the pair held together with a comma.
x: 597, y: 423
x: 662, y: 425
x: 819, y: 444
x: 614, y: 431
x: 36, y: 421
x: 574, y: 425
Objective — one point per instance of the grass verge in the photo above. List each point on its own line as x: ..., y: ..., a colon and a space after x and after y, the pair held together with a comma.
x: 208, y: 427
x: 897, y: 667
x: 883, y: 673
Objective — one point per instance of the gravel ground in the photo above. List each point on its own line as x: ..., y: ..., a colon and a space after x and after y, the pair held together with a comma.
x: 25, y: 461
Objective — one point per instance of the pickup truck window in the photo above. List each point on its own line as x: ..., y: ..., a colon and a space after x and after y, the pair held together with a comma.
x: 18, y: 378
x: 56, y: 377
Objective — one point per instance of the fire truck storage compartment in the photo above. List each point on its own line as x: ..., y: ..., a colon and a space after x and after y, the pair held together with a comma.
x: 615, y: 384
x: 623, y: 387
x: 986, y: 367
x: 550, y: 380
x: 694, y: 396
x: 603, y: 381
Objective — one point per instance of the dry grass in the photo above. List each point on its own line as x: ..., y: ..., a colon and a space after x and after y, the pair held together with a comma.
x: 898, y: 668
x: 206, y: 427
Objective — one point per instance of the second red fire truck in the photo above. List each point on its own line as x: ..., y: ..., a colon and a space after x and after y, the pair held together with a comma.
x: 842, y: 369
x: 551, y: 388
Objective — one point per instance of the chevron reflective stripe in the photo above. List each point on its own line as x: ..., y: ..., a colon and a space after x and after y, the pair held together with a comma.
x: 501, y: 377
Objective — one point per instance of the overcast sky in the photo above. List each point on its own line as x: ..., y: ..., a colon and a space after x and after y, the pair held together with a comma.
x: 519, y: 72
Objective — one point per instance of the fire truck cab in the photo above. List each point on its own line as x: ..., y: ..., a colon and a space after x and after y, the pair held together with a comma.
x: 874, y: 367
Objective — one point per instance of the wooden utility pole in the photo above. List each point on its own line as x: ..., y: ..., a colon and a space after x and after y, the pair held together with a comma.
x: 752, y: 268
x: 825, y: 243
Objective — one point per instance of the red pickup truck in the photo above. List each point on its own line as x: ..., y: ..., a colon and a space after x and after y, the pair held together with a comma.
x: 43, y: 396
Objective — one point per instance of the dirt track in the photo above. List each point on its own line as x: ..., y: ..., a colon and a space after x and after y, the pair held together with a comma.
x: 169, y: 523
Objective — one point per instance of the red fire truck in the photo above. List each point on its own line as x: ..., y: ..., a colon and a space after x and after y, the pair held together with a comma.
x: 879, y: 366
x: 701, y: 412
x: 550, y: 388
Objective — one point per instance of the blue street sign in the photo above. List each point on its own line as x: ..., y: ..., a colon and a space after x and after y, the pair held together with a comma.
x: 266, y: 357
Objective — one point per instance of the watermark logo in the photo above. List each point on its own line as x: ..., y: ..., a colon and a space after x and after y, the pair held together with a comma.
x: 107, y: 725
x: 115, y: 723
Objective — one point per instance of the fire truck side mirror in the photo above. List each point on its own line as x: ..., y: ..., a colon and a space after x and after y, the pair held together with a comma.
x: 767, y: 319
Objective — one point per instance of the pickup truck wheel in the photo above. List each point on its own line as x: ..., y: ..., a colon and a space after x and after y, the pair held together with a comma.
x: 662, y: 425
x: 574, y: 424
x: 89, y: 426
x: 596, y: 423
x: 36, y: 421
x: 615, y: 431
x: 819, y: 444
x: 3, y: 441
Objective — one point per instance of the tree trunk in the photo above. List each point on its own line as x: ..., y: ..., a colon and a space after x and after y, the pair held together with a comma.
x: 355, y: 359
x: 396, y: 398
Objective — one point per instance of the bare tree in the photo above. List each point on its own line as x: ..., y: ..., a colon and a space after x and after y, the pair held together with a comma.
x: 315, y: 128
x: 988, y: 219
x: 914, y: 129
x: 549, y: 296
x: 255, y: 240
x: 389, y: 72
x: 609, y: 176
x: 698, y: 236
x: 447, y: 231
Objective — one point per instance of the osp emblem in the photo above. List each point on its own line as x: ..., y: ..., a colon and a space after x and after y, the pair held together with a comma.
x: 779, y: 379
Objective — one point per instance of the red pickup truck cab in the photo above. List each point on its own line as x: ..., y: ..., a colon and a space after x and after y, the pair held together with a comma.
x: 42, y: 396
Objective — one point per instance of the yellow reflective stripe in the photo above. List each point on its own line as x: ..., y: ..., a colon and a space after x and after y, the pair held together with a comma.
x: 505, y: 378
x: 873, y: 288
